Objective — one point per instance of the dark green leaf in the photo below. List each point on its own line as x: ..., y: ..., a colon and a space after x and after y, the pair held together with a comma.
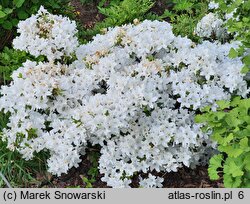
x: 22, y: 15
x: 7, y: 25
x: 18, y: 3
x: 14, y: 21
x: 2, y: 14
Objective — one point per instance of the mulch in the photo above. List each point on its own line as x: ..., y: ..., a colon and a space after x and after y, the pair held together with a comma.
x: 184, y: 178
x: 88, y: 14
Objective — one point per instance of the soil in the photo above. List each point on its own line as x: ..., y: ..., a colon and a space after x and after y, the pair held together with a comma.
x: 87, y: 14
x: 184, y: 178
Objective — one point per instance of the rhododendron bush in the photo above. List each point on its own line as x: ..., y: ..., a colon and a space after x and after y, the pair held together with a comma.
x: 134, y: 91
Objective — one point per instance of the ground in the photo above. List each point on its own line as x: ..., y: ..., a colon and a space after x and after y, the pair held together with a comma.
x: 184, y: 178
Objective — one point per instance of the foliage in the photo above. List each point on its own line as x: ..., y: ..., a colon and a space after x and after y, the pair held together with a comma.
x: 92, y: 173
x: 19, y: 173
x: 239, y: 24
x: 230, y: 126
x: 10, y: 60
x: 119, y: 13
x: 11, y: 12
x: 185, y: 15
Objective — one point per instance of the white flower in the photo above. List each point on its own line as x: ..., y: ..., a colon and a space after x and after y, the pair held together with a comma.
x: 213, y: 5
x: 210, y: 26
x: 47, y: 34
x: 151, y: 182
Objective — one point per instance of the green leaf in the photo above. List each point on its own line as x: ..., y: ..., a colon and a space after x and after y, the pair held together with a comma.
x: 206, y: 109
x: 223, y: 104
x: 245, y: 103
x: 245, y: 70
x: 231, y: 182
x: 14, y: 21
x: 232, y: 120
x: 246, y: 60
x: 228, y: 139
x: 214, y: 164
x: 231, y: 151
x: 167, y: 14
x: 247, y: 162
x: 7, y: 25
x: 244, y: 142
x: 201, y: 118
x: 233, y: 169
x: 219, y: 115
x: 86, y: 180
x: 22, y: 14
x: 8, y: 10
x: 2, y: 14
x: 18, y: 3
x: 185, y: 5
x: 233, y: 53
x: 235, y: 101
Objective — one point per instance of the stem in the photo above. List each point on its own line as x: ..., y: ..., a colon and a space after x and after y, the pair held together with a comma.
x: 5, y: 180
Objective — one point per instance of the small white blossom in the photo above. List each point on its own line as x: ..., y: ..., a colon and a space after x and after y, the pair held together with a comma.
x: 46, y: 34
x: 210, y: 26
x: 213, y: 5
x: 151, y: 182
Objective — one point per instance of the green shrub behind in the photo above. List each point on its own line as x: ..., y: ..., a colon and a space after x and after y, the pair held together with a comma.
x: 230, y: 126
x: 11, y: 12
x: 10, y: 60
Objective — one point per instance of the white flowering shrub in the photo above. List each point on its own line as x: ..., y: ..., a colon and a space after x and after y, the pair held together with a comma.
x: 134, y: 91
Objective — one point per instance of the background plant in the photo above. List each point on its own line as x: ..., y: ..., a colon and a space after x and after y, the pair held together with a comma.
x: 11, y: 12
x: 185, y: 15
x: 18, y: 171
x: 10, y: 60
x: 239, y: 24
x: 230, y: 123
x: 92, y: 173
x: 230, y: 126
x: 119, y: 12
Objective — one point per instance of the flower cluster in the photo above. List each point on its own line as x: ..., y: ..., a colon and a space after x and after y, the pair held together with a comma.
x: 47, y: 34
x: 134, y: 91
x: 211, y: 26
x: 213, y: 5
